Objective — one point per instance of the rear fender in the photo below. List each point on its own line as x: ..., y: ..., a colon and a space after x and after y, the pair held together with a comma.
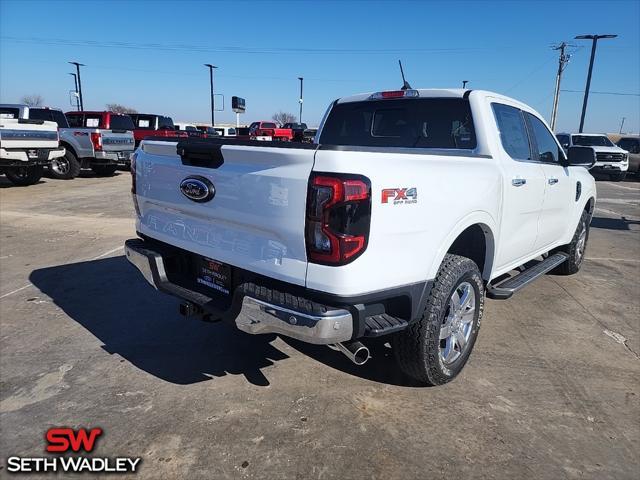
x: 488, y: 225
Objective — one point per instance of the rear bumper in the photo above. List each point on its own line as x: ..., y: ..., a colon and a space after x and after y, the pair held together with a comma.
x: 251, y: 314
x: 113, y: 158
x: 21, y: 157
x: 258, y: 304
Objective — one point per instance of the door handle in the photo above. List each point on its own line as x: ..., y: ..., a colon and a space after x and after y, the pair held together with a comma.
x: 553, y: 181
x: 518, y: 182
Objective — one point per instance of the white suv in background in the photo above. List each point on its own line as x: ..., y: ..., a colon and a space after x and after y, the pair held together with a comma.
x: 610, y: 159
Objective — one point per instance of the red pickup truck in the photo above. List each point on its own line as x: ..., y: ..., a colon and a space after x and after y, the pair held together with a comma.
x: 270, y: 129
x: 151, y: 125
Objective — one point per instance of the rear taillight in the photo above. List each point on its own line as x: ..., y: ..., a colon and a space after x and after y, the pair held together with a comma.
x: 338, y: 218
x: 96, y: 140
x: 134, y: 157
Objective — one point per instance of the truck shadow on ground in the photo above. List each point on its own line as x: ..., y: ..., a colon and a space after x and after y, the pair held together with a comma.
x: 381, y: 366
x: 621, y: 223
x: 6, y: 183
x: 110, y: 299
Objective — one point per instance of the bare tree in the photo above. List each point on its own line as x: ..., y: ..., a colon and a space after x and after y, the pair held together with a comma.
x: 117, y: 108
x: 34, y: 100
x: 283, y: 117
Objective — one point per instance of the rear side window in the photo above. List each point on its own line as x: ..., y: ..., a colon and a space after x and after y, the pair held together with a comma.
x: 40, y: 114
x: 513, y: 132
x: 546, y: 146
x: 58, y: 117
x: 415, y: 122
x: 144, y: 122
x: 165, y: 122
x: 92, y: 121
x: 75, y: 121
x: 121, y: 122
x: 49, y: 115
x: 7, y: 112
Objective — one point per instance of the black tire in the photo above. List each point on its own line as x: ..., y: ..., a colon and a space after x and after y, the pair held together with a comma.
x: 23, y: 176
x: 65, y: 168
x: 618, y: 177
x: 576, y: 249
x: 418, y: 348
x: 104, y: 170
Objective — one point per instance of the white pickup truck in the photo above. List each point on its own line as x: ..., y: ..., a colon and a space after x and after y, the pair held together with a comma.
x: 408, y: 209
x: 610, y: 158
x: 26, y: 146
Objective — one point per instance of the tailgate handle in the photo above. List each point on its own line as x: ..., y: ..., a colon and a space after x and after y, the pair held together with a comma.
x: 200, y: 154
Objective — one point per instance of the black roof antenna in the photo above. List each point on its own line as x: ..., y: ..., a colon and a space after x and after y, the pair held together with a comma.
x: 405, y: 84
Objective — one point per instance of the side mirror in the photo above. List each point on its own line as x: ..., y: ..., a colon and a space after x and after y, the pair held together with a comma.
x: 581, y: 157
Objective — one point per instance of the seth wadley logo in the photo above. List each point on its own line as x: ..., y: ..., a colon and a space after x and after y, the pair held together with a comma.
x: 66, y: 440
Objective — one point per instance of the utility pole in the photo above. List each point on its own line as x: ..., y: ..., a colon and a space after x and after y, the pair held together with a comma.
x: 622, y: 124
x: 213, y: 105
x: 75, y: 81
x: 464, y: 83
x: 563, y: 59
x: 301, y: 80
x: 79, y: 89
x: 594, y: 39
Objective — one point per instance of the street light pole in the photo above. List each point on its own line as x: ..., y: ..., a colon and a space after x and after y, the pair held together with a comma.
x: 301, y: 80
x: 75, y: 81
x: 213, y: 105
x: 79, y: 89
x: 594, y: 39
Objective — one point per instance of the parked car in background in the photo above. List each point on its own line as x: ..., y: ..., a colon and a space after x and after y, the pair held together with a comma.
x: 152, y: 125
x: 188, y: 128
x: 226, y: 131
x: 101, y: 141
x: 610, y: 159
x: 414, y: 205
x: 270, y: 131
x: 301, y: 133
x: 27, y: 146
x: 631, y: 143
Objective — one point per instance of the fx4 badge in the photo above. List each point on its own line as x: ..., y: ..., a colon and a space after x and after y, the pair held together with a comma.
x: 398, y: 196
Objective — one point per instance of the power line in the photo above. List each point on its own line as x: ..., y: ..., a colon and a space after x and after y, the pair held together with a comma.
x: 605, y: 93
x: 237, y: 49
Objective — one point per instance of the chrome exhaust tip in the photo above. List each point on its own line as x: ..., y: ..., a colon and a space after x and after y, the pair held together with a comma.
x: 354, y: 351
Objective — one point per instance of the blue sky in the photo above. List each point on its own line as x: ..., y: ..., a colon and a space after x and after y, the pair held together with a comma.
x: 150, y: 55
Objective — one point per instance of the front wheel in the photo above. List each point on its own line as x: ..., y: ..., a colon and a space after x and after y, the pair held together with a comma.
x: 434, y: 350
x: 23, y: 176
x: 104, y: 170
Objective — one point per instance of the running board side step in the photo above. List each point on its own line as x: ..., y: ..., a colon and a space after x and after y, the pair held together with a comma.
x: 508, y: 287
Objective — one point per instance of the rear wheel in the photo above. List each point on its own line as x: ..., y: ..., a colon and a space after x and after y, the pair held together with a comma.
x: 24, y: 176
x: 104, y: 170
x: 618, y: 177
x: 65, y: 168
x: 434, y: 350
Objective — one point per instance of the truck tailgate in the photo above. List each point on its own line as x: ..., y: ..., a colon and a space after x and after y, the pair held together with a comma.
x: 255, y: 220
x: 113, y: 141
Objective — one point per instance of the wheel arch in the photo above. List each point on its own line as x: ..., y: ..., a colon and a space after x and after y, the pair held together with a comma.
x: 472, y: 237
x: 69, y: 148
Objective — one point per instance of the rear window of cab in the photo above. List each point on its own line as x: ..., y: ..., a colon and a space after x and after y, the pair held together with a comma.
x: 444, y: 123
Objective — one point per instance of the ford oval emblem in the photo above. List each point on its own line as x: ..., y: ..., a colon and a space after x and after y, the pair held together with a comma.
x: 196, y: 188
